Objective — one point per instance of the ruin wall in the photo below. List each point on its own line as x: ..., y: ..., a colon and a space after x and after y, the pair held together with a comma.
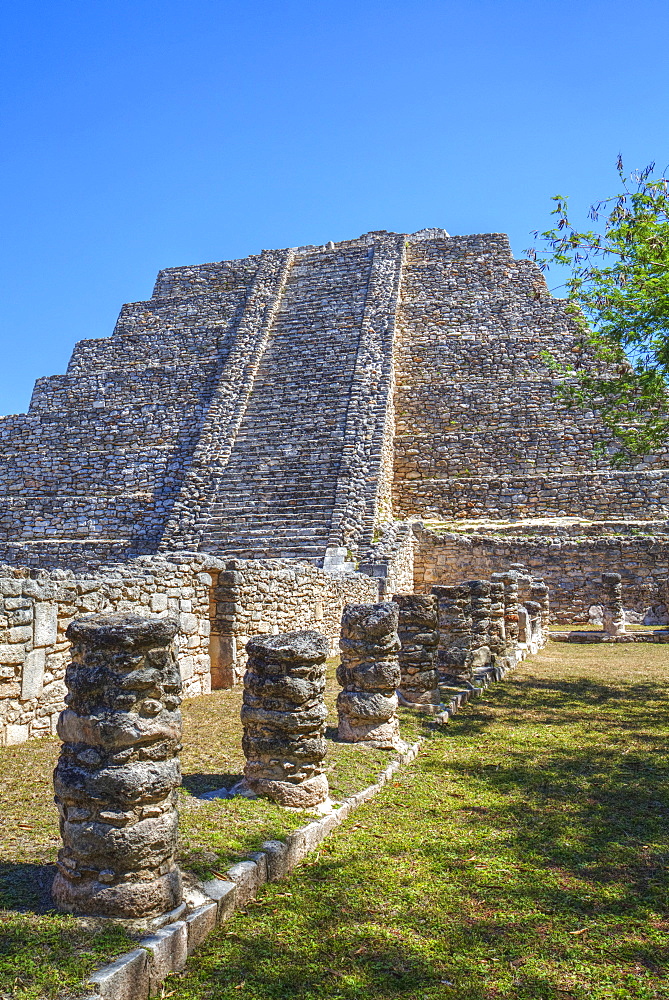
x: 571, y: 567
x: 35, y: 610
x: 601, y: 495
x: 36, y: 606
x: 254, y: 597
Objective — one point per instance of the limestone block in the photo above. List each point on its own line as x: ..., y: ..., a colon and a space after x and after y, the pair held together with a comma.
x: 200, y: 923
x: 32, y: 676
x: 125, y: 979
x: 45, y: 627
x: 168, y: 948
x: 224, y: 893
x: 15, y: 734
x: 116, y: 779
x: 20, y: 633
x: 158, y: 602
x: 188, y: 623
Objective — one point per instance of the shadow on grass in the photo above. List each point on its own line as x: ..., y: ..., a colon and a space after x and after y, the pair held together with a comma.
x: 26, y: 886
x: 198, y: 783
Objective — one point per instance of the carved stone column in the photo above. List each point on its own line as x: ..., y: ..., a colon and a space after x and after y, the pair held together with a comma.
x: 612, y: 602
x: 117, y: 776
x: 454, y: 655
x: 539, y: 593
x: 497, y: 630
x: 369, y: 674
x: 479, y: 594
x: 511, y: 606
x: 419, y: 636
x: 284, y: 718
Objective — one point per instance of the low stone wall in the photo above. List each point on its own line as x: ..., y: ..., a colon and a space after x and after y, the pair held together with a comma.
x: 572, y: 568
x: 37, y: 606
x: 276, y: 595
x: 636, y: 495
x: 390, y: 559
x: 219, y: 606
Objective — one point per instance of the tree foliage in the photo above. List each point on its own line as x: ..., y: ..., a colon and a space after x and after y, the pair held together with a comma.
x: 618, y: 291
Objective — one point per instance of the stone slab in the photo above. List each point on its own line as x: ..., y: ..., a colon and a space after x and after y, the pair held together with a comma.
x: 199, y: 924
x: 32, y: 675
x: 168, y: 949
x: 128, y: 978
x: 224, y: 894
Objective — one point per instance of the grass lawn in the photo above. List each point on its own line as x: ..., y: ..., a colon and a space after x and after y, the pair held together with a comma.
x: 523, y: 855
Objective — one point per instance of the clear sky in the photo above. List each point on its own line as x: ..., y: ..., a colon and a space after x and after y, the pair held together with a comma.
x: 137, y: 135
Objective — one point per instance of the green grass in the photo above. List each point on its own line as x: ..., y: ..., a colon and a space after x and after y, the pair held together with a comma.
x: 523, y: 855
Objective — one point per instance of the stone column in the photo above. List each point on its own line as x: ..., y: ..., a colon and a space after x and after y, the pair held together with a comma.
x: 118, y: 771
x: 539, y: 593
x: 454, y: 655
x: 533, y: 634
x: 284, y: 718
x: 511, y: 606
x: 497, y: 630
x: 369, y: 674
x: 523, y: 579
x: 419, y: 636
x: 479, y: 594
x: 612, y: 601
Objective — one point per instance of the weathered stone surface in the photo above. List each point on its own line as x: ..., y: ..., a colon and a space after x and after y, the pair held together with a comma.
x: 284, y: 718
x: 418, y: 631
x: 454, y: 655
x: 116, y: 779
x: 539, y: 593
x: 532, y: 626
x: 497, y: 628
x: 613, y: 615
x: 479, y: 597
x: 369, y: 645
x: 511, y: 605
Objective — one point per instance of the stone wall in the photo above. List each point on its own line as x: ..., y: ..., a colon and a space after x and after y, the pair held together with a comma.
x: 571, y: 567
x: 254, y: 597
x: 600, y: 495
x: 390, y: 560
x: 219, y: 606
x: 37, y: 607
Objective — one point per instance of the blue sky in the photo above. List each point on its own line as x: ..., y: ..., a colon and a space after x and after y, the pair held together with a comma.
x: 137, y: 135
